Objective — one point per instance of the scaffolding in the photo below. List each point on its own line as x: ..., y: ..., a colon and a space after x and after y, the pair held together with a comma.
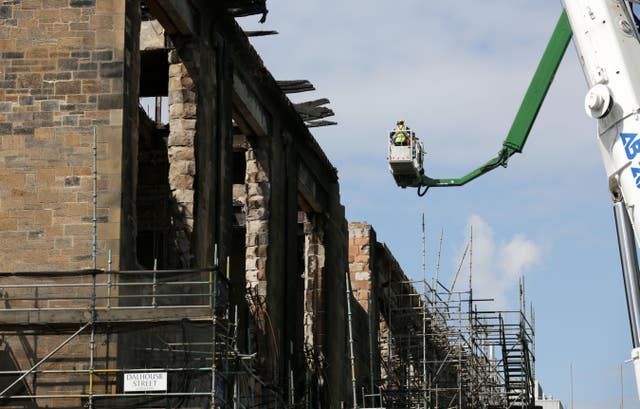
x: 100, y: 327
x: 441, y: 348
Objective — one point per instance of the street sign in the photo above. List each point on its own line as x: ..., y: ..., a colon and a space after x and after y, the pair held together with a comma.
x: 145, y: 381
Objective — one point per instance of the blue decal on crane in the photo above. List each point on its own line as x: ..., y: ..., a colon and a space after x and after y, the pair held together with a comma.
x: 632, y: 148
x: 631, y: 144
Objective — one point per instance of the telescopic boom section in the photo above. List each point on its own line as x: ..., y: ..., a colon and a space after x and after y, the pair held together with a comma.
x: 525, y: 117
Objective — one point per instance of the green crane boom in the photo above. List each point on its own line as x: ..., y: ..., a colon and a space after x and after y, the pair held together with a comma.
x: 525, y: 118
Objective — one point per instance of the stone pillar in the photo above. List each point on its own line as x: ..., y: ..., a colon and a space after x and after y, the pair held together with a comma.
x: 314, y: 261
x: 363, y: 256
x: 258, y: 195
x: 182, y: 162
x: 332, y: 322
x: 362, y: 241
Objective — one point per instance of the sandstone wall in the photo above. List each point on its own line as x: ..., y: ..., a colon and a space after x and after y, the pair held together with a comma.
x: 62, y: 70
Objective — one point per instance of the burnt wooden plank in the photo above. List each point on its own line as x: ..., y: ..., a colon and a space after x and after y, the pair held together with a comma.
x: 315, y: 124
x: 303, y: 106
x: 313, y: 110
x: 294, y: 86
x: 260, y: 33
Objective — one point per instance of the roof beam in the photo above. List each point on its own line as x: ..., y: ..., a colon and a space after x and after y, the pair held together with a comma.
x: 260, y: 33
x: 313, y: 110
x: 315, y: 124
x: 175, y: 16
x: 293, y: 86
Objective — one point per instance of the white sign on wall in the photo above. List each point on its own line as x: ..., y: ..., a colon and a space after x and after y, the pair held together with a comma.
x: 145, y: 381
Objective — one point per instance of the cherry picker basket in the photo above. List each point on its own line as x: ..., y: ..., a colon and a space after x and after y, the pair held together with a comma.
x: 405, y: 160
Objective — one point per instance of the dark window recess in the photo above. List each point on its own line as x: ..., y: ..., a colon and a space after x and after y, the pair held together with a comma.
x: 154, y: 73
x: 239, y: 168
x: 153, y: 196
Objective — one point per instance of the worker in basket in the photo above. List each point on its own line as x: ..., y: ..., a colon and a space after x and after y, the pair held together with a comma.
x: 401, y: 134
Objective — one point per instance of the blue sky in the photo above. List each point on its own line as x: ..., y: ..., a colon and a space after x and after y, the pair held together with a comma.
x: 456, y: 71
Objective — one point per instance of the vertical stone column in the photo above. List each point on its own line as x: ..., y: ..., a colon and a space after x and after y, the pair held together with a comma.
x: 362, y: 242
x: 182, y: 162
x: 332, y: 320
x: 314, y: 260
x: 363, y: 259
x: 258, y: 194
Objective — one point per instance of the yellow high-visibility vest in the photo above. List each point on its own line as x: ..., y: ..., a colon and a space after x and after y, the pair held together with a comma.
x: 400, y: 134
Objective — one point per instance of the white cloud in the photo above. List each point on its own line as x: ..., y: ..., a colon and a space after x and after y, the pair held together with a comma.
x: 519, y: 255
x: 498, y: 264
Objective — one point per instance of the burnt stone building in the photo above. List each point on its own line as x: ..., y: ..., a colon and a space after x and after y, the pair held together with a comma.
x: 198, y: 260
x: 95, y: 192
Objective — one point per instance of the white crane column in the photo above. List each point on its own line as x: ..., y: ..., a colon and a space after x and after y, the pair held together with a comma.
x: 607, y: 42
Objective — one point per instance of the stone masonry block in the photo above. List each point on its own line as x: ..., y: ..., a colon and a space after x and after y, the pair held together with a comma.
x: 102, y: 55
x: 111, y: 6
x: 82, y: 3
x: 67, y: 87
x: 183, y: 195
x: 5, y: 12
x: 182, y: 137
x: 178, y: 153
x: 54, y: 4
x: 29, y: 80
x: 111, y: 69
x: 183, y: 167
x: 362, y: 276
x: 180, y: 181
x: 68, y: 64
x: 8, y: 55
x: 110, y: 101
x: 6, y: 128
x: 182, y: 110
x: 356, y: 267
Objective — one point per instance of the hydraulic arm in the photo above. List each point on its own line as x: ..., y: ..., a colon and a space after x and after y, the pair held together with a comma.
x: 525, y: 117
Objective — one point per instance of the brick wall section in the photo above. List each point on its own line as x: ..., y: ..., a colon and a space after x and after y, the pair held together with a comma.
x: 362, y: 257
x: 181, y: 145
x: 362, y: 241
x: 61, y: 75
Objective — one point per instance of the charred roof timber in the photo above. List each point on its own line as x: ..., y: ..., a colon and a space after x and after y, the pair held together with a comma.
x: 313, y: 111
x: 294, y: 86
x: 310, y: 111
x: 315, y: 124
x: 242, y: 8
x: 260, y: 33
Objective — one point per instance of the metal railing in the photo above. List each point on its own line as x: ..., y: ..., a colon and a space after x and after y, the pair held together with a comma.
x: 95, y: 291
x: 100, y: 290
